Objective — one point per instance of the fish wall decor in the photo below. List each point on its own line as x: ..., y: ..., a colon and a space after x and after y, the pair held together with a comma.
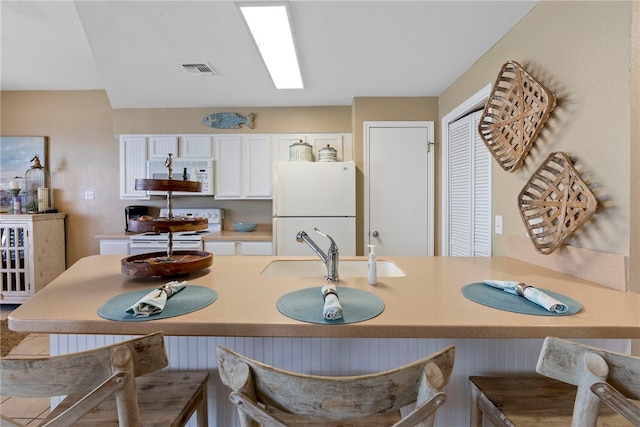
x: 228, y: 120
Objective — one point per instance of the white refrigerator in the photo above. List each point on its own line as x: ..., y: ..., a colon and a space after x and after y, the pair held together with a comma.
x: 310, y: 195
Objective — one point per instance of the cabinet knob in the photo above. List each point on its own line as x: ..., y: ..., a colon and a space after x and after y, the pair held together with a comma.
x: 375, y: 234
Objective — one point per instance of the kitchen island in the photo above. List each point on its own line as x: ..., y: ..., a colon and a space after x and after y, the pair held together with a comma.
x: 424, y: 311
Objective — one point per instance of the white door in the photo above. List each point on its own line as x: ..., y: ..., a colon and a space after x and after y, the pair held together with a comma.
x: 399, y: 187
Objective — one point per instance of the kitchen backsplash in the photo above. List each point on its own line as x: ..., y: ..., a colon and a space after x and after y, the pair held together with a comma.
x: 259, y: 211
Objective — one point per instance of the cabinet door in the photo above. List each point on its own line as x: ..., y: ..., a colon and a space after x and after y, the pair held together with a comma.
x: 17, y: 285
x: 258, y: 168
x: 342, y: 142
x: 220, y: 248
x: 114, y: 247
x: 228, y: 167
x: 133, y: 164
x: 282, y: 143
x: 320, y: 141
x: 256, y: 248
x: 196, y: 146
x: 162, y: 145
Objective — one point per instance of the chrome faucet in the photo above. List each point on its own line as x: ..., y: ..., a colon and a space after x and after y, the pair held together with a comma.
x: 330, y: 260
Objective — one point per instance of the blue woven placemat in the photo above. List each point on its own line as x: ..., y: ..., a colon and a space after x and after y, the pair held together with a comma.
x: 306, y: 305
x: 191, y: 298
x: 497, y: 298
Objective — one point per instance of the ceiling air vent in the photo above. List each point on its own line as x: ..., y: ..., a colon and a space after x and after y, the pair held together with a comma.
x: 199, y: 69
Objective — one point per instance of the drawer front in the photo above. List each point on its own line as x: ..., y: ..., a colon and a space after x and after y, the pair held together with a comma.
x: 220, y: 248
x: 256, y: 248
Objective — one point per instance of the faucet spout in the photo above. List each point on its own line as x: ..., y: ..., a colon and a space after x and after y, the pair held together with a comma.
x: 302, y: 236
x: 330, y: 260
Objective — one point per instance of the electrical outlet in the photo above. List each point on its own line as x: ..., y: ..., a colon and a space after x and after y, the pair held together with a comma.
x: 89, y: 195
x: 498, y: 224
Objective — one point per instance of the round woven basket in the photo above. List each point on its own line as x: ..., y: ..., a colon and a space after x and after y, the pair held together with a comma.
x: 300, y: 152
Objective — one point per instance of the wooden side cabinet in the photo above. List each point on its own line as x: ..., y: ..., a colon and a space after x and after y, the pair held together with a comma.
x: 32, y: 250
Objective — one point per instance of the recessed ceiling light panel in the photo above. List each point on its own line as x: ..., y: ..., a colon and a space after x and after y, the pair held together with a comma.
x: 271, y: 29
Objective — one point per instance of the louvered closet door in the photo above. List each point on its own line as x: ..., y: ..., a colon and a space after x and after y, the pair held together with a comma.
x: 469, y: 189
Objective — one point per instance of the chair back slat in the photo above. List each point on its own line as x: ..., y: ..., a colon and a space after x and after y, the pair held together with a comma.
x: 122, y: 384
x: 338, y: 397
x: 73, y: 373
x: 563, y: 360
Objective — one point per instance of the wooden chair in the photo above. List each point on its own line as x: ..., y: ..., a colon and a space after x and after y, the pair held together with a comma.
x: 268, y: 396
x: 109, y: 386
x: 577, y: 378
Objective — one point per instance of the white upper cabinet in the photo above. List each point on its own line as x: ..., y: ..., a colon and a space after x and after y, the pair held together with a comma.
x: 200, y: 146
x: 258, y: 166
x: 228, y: 168
x: 282, y: 143
x: 162, y: 145
x: 342, y: 142
x: 196, y: 146
x: 243, y: 166
x: 133, y: 165
x: 243, y: 162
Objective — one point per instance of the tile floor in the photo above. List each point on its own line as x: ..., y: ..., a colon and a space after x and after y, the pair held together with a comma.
x: 28, y: 411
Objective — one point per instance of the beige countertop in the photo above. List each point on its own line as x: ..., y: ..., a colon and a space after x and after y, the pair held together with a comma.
x: 426, y: 303
x: 224, y: 235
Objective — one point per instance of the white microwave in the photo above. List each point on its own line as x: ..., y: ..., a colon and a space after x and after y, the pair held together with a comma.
x: 195, y: 169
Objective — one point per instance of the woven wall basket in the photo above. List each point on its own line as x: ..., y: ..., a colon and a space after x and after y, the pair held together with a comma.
x: 514, y: 115
x: 554, y: 203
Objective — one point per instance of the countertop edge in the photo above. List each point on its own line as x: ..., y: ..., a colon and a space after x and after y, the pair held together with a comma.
x: 418, y: 305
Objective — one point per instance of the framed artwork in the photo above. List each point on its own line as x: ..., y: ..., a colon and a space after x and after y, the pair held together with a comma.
x: 16, y: 153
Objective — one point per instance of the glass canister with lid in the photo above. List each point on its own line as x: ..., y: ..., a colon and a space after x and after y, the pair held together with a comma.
x: 36, y: 179
x: 328, y: 154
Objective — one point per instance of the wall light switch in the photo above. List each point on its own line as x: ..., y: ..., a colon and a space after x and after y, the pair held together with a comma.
x: 498, y: 224
x: 89, y: 195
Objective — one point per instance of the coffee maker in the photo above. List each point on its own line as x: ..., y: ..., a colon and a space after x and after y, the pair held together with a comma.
x: 134, y: 212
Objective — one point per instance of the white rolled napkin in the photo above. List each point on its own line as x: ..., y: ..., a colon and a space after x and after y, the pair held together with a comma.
x: 154, y: 301
x: 332, y: 309
x: 529, y: 292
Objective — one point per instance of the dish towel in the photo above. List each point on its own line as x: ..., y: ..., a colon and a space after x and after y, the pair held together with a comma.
x: 154, y: 301
x: 332, y: 309
x: 529, y: 292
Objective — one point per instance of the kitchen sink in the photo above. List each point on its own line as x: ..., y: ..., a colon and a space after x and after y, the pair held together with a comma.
x: 315, y: 268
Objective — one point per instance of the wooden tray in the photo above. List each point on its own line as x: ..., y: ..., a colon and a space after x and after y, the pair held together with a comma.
x: 165, y: 225
x: 168, y: 185
x: 514, y: 115
x: 554, y: 203
x: 154, y: 264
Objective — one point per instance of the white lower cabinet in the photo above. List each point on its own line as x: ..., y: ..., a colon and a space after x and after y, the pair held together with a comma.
x: 255, y: 248
x: 32, y: 249
x: 220, y: 248
x: 114, y: 246
x: 239, y: 248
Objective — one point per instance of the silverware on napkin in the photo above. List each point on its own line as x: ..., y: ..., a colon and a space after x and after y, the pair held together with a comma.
x: 332, y: 309
x: 155, y: 301
x: 529, y: 292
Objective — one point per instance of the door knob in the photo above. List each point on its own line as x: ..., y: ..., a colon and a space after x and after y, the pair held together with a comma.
x: 375, y: 234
